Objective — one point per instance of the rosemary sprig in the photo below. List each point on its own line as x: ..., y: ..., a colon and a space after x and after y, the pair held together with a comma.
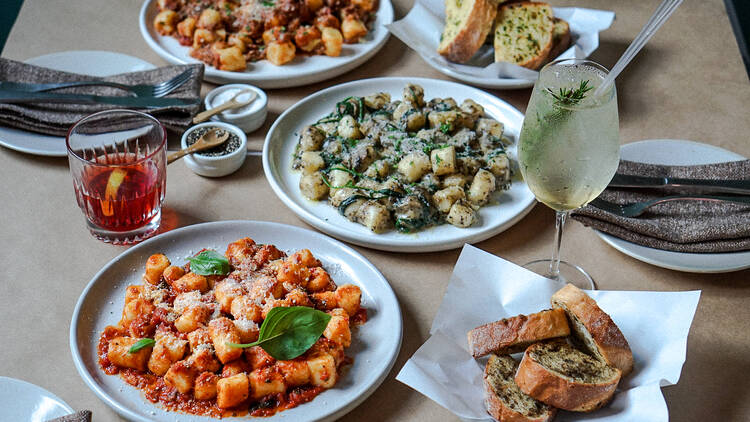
x: 569, y: 96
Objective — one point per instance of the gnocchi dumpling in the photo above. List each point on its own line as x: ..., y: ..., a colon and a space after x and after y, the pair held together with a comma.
x: 481, y: 187
x: 413, y: 166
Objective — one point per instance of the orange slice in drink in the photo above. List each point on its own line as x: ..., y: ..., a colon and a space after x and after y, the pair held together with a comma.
x: 110, y: 193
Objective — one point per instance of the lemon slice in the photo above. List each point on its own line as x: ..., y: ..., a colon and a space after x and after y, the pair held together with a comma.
x: 110, y: 193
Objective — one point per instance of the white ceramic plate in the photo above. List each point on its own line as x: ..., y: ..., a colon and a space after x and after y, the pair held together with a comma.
x: 506, y: 208
x: 94, y: 63
x: 491, y: 83
x: 23, y: 401
x: 375, y: 345
x: 679, y: 153
x: 303, y: 70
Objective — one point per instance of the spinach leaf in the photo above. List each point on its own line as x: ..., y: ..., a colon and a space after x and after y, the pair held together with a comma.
x: 209, y: 262
x: 289, y: 332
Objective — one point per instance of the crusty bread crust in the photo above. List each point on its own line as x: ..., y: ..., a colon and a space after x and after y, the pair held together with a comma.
x: 612, y: 344
x: 472, y: 34
x: 513, y: 335
x: 561, y: 43
x: 546, y: 386
x: 534, y: 62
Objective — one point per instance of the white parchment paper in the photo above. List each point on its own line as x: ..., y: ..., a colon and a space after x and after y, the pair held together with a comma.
x: 485, y: 288
x: 422, y: 27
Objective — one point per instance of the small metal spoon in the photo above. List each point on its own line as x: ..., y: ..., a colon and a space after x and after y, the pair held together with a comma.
x: 232, y: 103
x: 208, y: 140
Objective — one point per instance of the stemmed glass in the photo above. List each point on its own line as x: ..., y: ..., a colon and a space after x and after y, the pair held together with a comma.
x: 569, y: 149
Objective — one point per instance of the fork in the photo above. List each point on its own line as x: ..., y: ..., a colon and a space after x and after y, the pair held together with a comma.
x: 159, y: 90
x: 637, y: 208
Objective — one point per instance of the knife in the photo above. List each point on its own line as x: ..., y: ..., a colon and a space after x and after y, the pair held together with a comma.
x: 16, y: 97
x: 727, y: 186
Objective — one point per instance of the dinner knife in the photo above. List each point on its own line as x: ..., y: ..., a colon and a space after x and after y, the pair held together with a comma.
x: 727, y: 186
x: 10, y: 96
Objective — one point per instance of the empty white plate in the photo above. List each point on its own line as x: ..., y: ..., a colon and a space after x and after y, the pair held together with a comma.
x: 23, y: 401
x: 679, y: 153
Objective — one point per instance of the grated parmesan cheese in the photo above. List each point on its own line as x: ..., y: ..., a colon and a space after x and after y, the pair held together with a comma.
x: 187, y: 300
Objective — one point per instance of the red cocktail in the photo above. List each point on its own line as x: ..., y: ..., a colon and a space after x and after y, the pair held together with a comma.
x: 117, y: 159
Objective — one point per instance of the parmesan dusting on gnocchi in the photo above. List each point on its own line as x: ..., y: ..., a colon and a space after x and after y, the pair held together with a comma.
x: 408, y: 164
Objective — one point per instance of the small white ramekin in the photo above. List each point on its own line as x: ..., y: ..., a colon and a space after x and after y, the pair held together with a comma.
x: 247, y: 118
x: 223, y: 165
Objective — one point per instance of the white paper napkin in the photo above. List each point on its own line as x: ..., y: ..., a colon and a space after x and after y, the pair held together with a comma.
x: 485, y: 288
x: 422, y: 27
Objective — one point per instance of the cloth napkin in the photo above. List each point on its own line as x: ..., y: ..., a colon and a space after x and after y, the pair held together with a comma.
x: 82, y: 416
x: 682, y: 226
x: 56, y: 119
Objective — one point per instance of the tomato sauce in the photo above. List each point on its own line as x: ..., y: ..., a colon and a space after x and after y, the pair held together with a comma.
x: 360, y: 317
x: 274, y: 403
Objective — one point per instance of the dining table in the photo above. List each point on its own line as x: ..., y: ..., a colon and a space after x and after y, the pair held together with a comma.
x: 688, y: 83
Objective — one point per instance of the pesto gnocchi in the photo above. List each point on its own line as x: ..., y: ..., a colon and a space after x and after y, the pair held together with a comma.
x: 405, y: 164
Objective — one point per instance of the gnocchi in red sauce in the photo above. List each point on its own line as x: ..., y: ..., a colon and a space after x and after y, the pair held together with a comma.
x: 190, y: 365
x: 227, y: 34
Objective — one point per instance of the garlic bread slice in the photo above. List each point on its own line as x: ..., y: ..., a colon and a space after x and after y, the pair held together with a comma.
x: 523, y: 33
x: 467, y: 24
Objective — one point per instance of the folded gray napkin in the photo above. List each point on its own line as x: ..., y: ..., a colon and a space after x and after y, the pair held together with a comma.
x: 82, y: 416
x: 56, y: 119
x: 682, y: 226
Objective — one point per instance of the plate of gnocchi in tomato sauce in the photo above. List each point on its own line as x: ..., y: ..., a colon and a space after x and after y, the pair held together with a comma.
x: 269, y: 43
x: 236, y: 319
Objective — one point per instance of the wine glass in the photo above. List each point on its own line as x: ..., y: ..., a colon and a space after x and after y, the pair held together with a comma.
x: 569, y: 149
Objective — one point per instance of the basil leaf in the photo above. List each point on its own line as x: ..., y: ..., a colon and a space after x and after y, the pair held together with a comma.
x: 144, y: 342
x: 209, y: 262
x: 289, y: 332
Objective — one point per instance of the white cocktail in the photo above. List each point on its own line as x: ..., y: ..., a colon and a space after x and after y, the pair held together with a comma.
x: 569, y: 147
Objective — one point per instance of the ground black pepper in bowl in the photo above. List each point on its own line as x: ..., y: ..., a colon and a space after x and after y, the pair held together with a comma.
x: 229, y: 146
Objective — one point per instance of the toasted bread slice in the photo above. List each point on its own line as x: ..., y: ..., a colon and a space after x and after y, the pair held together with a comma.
x: 467, y: 23
x: 513, y: 335
x: 562, y: 376
x: 504, y: 400
x: 594, y: 329
x: 560, y: 39
x: 523, y: 33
